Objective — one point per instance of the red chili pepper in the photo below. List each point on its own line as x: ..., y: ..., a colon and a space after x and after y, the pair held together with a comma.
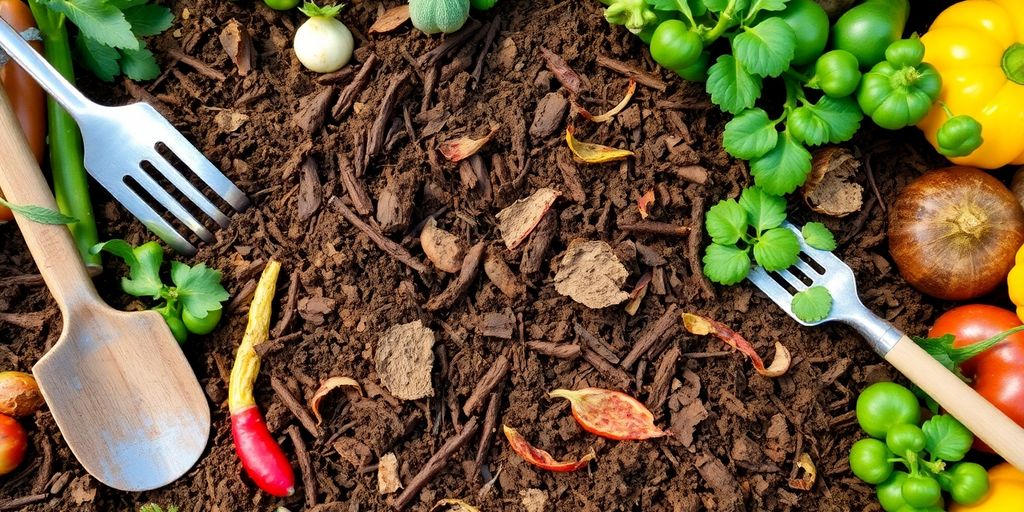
x: 541, y: 458
x: 260, y: 454
x: 611, y: 414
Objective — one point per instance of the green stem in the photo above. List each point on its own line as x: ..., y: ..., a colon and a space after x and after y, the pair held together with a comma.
x: 71, y: 187
x: 725, y: 21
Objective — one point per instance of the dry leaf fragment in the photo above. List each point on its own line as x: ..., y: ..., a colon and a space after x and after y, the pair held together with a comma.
x: 442, y: 248
x: 387, y: 474
x: 405, y: 359
x: 565, y: 75
x: 591, y: 274
x: 518, y: 219
x: 806, y: 482
x: 330, y: 385
x: 608, y: 116
x: 638, y: 293
x: 454, y: 504
x: 502, y: 277
x: 459, y: 149
x: 594, y: 153
x: 238, y: 45
x: 702, y: 326
x: 541, y: 458
x: 229, y: 120
x: 831, y: 188
x: 390, y: 20
x: 644, y: 203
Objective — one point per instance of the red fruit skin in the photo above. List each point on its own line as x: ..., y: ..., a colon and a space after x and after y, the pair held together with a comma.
x: 13, y: 443
x: 261, y: 457
x: 998, y: 373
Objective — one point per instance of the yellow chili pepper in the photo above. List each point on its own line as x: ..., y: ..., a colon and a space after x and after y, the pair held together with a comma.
x: 1015, y: 283
x: 1006, y: 492
x: 978, y: 48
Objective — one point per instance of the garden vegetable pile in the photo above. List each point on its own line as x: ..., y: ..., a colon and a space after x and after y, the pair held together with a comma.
x: 434, y: 335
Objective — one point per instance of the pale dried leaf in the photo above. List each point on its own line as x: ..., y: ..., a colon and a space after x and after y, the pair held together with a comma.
x: 457, y: 150
x: 387, y: 474
x: 453, y: 505
x: 405, y: 359
x: 810, y: 473
x: 638, y: 293
x: 587, y: 152
x: 608, y: 116
x: 517, y: 220
x: 391, y: 19
x: 325, y: 388
x: 703, y: 326
x: 229, y: 120
x: 442, y: 248
x: 644, y: 203
x: 590, y: 274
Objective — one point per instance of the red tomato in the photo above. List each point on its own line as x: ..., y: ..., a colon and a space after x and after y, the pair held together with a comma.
x: 998, y: 373
x: 13, y: 442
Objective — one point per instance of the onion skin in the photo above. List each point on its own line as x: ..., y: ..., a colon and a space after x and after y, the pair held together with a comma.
x: 953, y: 233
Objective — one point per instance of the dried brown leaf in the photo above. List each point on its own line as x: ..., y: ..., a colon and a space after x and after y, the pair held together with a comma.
x: 391, y: 19
x: 644, y: 203
x: 702, y: 326
x: 590, y: 274
x: 565, y: 75
x: 810, y: 473
x: 459, y: 149
x: 387, y: 474
x: 608, y: 116
x: 594, y: 153
x: 326, y: 387
x: 238, y: 46
x: 517, y: 220
x: 638, y: 293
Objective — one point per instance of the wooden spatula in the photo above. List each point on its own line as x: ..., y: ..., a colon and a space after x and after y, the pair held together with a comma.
x: 117, y: 384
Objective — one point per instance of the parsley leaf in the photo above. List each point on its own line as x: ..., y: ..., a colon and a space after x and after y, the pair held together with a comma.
x: 38, y: 214
x: 99, y: 20
x: 946, y: 438
x: 726, y: 222
x: 143, y: 278
x: 784, y: 168
x: 828, y: 120
x: 766, y: 48
x: 813, y: 304
x: 148, y: 19
x: 730, y: 85
x: 726, y: 264
x: 776, y: 249
x: 198, y: 288
x: 750, y: 134
x: 766, y: 211
x: 818, y: 236
x: 101, y: 59
x: 139, y: 64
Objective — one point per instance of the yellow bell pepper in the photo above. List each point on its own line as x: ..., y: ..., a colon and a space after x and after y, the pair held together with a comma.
x: 978, y: 48
x: 1015, y: 283
x: 1006, y: 492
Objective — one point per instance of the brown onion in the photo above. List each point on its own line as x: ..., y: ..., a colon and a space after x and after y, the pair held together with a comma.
x: 954, y: 232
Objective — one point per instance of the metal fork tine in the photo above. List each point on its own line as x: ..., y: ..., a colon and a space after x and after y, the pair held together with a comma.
x: 793, y: 281
x: 150, y: 218
x: 191, y: 192
x: 172, y: 205
x: 205, y: 170
x: 775, y: 291
x: 807, y: 269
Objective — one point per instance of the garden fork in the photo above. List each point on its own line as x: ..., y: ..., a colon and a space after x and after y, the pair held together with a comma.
x: 822, y: 268
x: 119, y: 140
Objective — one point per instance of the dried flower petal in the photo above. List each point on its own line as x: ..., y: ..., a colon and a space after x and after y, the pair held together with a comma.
x: 638, y: 293
x: 518, y: 219
x: 608, y: 116
x: 390, y: 20
x: 541, y: 458
x: 806, y: 482
x: 702, y: 326
x: 644, y: 203
x: 457, y: 505
x: 329, y: 385
x: 594, y: 153
x: 457, y: 150
x: 610, y: 414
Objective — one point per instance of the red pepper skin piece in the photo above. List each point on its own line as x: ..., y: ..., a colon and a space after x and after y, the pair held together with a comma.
x: 261, y: 457
x: 541, y: 458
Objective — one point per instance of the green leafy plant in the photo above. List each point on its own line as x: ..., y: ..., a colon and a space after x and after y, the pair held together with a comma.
x: 748, y: 226
x: 109, y: 41
x: 818, y: 236
x: 812, y: 304
x: 38, y: 214
x: 192, y: 304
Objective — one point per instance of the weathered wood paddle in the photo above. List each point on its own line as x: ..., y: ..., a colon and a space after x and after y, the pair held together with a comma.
x: 117, y: 383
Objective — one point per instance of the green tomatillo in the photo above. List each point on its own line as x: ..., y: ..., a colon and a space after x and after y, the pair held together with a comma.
x: 675, y: 46
x: 869, y: 460
x: 900, y: 90
x: 836, y: 73
x: 959, y: 136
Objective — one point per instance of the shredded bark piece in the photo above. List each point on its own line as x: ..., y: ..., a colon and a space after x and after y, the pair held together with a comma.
x: 565, y: 75
x: 391, y: 19
x: 238, y: 46
x: 520, y: 218
x: 458, y: 287
x: 435, y: 464
x: 386, y: 244
x: 495, y: 375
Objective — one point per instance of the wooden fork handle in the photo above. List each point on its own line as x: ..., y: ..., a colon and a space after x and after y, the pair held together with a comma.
x: 52, y: 247
x: 957, y: 398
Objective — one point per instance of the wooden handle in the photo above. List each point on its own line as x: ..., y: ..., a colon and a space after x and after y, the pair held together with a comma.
x: 51, y: 245
x: 977, y: 414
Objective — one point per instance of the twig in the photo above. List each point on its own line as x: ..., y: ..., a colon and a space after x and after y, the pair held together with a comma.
x: 14, y: 503
x: 655, y: 228
x: 871, y: 181
x: 492, y: 32
x: 201, y: 67
x: 494, y: 376
x: 386, y: 244
x: 436, y: 463
x: 651, y: 335
x: 537, y: 246
x: 595, y: 343
x: 275, y: 344
x: 309, y: 483
x: 662, y: 379
x: 293, y: 405
x: 694, y: 242
x: 288, y: 312
x: 641, y: 77
x: 348, y: 95
x: 470, y: 264
x: 490, y: 426
x: 559, y: 350
x: 607, y: 369
x: 45, y: 468
x: 354, y: 186
x: 242, y: 297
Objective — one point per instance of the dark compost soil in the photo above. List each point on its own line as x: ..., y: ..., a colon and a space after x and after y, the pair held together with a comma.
x: 737, y: 434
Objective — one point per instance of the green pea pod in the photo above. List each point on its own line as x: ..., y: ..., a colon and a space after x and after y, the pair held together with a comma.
x: 959, y: 136
x: 836, y: 73
x: 896, y: 96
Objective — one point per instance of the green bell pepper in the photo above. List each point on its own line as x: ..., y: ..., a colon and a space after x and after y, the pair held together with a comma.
x: 900, y: 90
